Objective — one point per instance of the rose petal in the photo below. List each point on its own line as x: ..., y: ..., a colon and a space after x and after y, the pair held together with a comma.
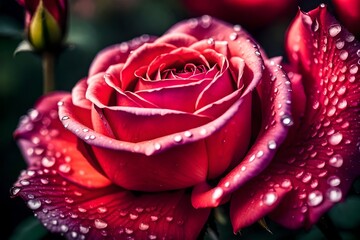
x: 274, y: 91
x: 45, y: 142
x: 78, y: 94
x: 176, y: 39
x: 140, y: 57
x: 239, y: 42
x: 322, y: 161
x: 116, y: 54
x: 148, y: 155
x: 107, y: 213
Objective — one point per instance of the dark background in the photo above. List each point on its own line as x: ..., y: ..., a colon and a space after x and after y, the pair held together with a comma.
x: 95, y: 24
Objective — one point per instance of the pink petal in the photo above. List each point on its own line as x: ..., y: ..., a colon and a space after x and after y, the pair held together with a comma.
x: 239, y: 43
x: 116, y: 54
x: 177, y: 39
x: 321, y: 161
x: 141, y: 57
x: 274, y: 90
x: 45, y: 142
x: 107, y: 213
x: 149, y: 157
x: 78, y: 94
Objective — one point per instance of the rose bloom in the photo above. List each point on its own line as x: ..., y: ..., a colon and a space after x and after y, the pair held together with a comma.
x: 249, y: 13
x: 131, y: 151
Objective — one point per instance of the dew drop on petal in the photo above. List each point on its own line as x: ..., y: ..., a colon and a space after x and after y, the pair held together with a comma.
x: 334, y: 181
x: 144, y: 226
x: 217, y: 193
x: 269, y: 198
x: 334, y: 30
x: 336, y: 161
x: 272, y: 144
x: 48, y: 161
x: 335, y: 138
x: 100, y: 224
x: 315, y: 198
x: 334, y: 194
x: 287, y: 120
x: 34, y: 204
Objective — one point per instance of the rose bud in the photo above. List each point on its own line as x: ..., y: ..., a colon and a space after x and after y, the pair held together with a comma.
x: 45, y: 23
x: 349, y: 14
x: 130, y: 152
x: 248, y: 13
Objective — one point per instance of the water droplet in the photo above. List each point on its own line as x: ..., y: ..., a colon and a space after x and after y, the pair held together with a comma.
x: 102, y: 210
x: 342, y: 104
x: 34, y: 204
x: 315, y: 25
x: 307, y: 177
x: 259, y: 154
x: 169, y: 219
x: 177, y: 138
x: 133, y: 216
x: 100, y: 224
x: 344, y: 55
x: 269, y: 198
x: 64, y: 228
x: 336, y: 161
x: 334, y: 194
x: 353, y: 69
x: 334, y: 30
x: 154, y: 218
x: 69, y: 200
x: 143, y: 226
x: 15, y: 190
x: 65, y: 118
x: 272, y: 144
x: 339, y: 44
x: 48, y: 161
x: 287, y: 120
x: 24, y: 182
x: 286, y: 183
x: 129, y: 231
x: 205, y: 21
x: 217, y: 193
x: 203, y: 131
x: 60, y: 103
x: 152, y: 237
x: 257, y: 53
x: 237, y: 28
x: 334, y: 181
x: 65, y: 168
x: 233, y: 36
x: 335, y: 139
x: 188, y: 134
x: 211, y: 41
x: 315, y: 198
x: 44, y: 181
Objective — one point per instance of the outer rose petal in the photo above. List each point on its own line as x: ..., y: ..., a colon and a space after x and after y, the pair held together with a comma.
x: 275, y: 92
x: 107, y: 213
x: 349, y: 14
x: 44, y: 141
x: 116, y: 54
x: 320, y: 164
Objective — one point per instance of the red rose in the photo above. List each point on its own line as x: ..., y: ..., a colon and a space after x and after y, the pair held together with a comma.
x: 248, y: 13
x: 157, y: 118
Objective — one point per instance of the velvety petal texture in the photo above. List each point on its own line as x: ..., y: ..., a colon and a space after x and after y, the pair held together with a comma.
x: 314, y: 168
x: 70, y: 197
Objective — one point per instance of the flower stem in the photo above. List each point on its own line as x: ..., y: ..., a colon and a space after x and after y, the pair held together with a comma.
x: 48, y: 62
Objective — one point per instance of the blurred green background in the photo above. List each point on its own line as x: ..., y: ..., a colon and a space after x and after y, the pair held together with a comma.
x: 95, y: 24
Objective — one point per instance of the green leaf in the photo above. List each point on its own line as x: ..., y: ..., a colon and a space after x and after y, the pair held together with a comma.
x: 30, y: 229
